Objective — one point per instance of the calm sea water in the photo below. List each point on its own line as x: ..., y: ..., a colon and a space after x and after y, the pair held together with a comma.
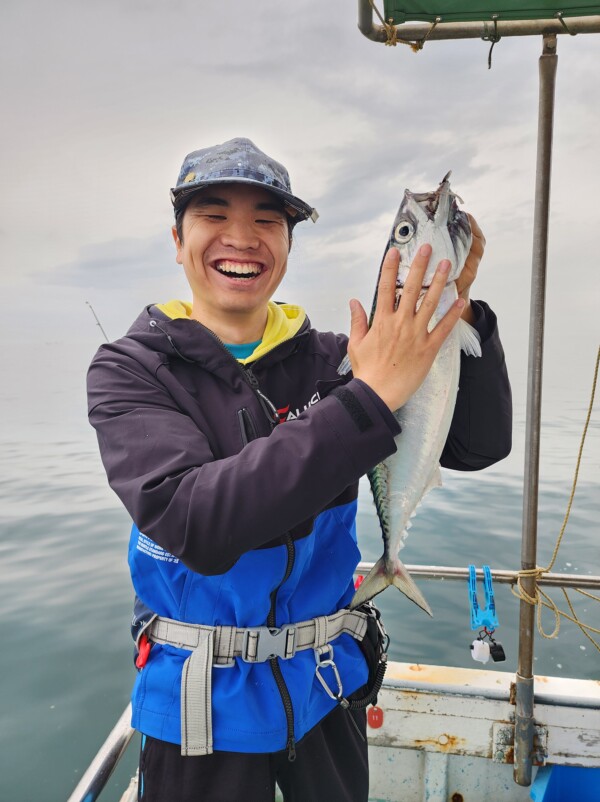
x: 66, y: 598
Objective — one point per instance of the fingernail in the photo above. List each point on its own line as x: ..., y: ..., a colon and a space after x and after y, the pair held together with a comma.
x: 425, y: 250
x: 460, y: 303
x: 444, y: 266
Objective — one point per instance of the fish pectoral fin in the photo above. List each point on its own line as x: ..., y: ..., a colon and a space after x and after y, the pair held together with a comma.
x: 382, y: 575
x: 468, y: 338
x: 344, y: 367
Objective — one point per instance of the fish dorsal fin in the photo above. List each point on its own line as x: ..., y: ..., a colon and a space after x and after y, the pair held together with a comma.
x: 468, y: 338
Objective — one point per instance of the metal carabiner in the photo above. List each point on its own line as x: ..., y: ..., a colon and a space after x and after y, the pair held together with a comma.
x: 328, y: 663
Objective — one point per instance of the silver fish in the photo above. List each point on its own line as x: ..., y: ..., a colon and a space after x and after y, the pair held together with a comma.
x: 400, y: 482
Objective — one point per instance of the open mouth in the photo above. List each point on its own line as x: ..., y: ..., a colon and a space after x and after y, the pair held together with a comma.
x: 239, y: 270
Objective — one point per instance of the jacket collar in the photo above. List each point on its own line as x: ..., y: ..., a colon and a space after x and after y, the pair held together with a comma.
x: 177, y: 335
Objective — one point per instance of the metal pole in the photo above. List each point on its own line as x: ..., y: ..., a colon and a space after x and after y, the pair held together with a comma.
x: 500, y: 576
x: 524, y: 721
x: 102, y: 766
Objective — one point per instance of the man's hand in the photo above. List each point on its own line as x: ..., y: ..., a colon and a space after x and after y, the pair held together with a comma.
x: 395, y: 354
x: 469, y: 271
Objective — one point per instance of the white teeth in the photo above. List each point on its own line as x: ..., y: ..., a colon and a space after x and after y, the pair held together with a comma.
x: 239, y: 268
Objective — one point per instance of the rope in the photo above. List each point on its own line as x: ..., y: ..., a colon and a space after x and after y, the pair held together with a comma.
x: 390, y: 29
x: 416, y: 46
x: 549, y: 603
x: 583, y: 629
x: 392, y: 32
x: 494, y: 38
x: 589, y: 595
x: 559, y: 17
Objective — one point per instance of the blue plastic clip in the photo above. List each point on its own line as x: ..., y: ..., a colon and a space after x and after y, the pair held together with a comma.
x: 486, y: 618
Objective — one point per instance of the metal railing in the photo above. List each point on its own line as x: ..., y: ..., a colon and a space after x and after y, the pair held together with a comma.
x: 102, y: 766
x: 502, y: 577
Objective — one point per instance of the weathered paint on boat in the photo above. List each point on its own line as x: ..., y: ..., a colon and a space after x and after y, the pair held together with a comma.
x: 448, y: 733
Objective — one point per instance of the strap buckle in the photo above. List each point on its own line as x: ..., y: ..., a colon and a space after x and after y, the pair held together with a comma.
x: 262, y: 644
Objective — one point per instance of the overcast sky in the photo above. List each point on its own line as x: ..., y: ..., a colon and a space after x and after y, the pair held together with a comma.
x: 101, y: 102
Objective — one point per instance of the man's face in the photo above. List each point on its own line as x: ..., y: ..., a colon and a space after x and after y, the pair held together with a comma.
x: 234, y: 250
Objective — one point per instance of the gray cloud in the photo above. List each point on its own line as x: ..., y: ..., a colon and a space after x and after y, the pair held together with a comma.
x: 109, y: 98
x: 119, y: 264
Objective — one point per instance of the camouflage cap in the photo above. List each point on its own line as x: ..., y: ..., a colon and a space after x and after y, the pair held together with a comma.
x: 238, y: 161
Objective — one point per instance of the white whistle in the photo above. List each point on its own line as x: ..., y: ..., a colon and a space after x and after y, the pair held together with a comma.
x: 480, y: 651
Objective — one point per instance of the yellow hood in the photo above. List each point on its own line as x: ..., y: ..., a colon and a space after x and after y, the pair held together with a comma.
x: 283, y: 322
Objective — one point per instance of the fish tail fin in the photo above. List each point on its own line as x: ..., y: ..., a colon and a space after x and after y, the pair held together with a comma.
x: 377, y: 580
x: 468, y: 338
x: 344, y: 367
x: 406, y: 584
x: 382, y: 575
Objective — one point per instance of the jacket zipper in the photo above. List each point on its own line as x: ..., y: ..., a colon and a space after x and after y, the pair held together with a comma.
x: 273, y: 417
x: 274, y: 662
x: 247, y: 429
x: 245, y: 419
x: 266, y: 405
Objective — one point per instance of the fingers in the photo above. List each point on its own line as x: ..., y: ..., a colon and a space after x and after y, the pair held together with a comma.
x: 413, y: 286
x: 358, y: 321
x: 386, y: 289
x: 476, y: 231
x: 477, y: 247
x: 414, y: 282
x: 434, y: 293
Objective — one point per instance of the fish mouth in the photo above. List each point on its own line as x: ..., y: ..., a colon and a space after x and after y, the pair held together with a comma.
x: 239, y: 270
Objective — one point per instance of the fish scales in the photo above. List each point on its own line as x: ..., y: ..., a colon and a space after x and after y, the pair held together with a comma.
x: 399, y: 483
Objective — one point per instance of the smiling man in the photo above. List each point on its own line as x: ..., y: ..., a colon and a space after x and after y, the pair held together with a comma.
x: 251, y: 669
x: 233, y: 243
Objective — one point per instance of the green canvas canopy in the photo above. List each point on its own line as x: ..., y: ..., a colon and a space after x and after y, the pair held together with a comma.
x: 400, y: 11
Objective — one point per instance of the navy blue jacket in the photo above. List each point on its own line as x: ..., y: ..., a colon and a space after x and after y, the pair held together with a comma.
x: 240, y: 520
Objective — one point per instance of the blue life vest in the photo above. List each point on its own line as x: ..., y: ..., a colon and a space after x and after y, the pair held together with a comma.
x: 247, y: 710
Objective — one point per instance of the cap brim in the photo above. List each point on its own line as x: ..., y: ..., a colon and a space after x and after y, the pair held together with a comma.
x: 302, y: 209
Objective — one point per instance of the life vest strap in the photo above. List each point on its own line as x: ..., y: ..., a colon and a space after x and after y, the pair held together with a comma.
x: 219, y: 646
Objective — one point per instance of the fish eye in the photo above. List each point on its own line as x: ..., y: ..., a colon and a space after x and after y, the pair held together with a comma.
x: 404, y: 231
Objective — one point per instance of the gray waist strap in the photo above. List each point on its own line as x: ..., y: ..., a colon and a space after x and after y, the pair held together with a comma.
x: 220, y: 646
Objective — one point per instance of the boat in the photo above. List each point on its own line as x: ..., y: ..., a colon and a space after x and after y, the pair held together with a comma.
x: 441, y: 733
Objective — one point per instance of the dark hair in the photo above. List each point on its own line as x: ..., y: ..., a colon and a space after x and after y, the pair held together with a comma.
x: 180, y: 212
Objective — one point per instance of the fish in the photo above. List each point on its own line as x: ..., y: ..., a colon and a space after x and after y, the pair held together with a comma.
x: 399, y: 483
